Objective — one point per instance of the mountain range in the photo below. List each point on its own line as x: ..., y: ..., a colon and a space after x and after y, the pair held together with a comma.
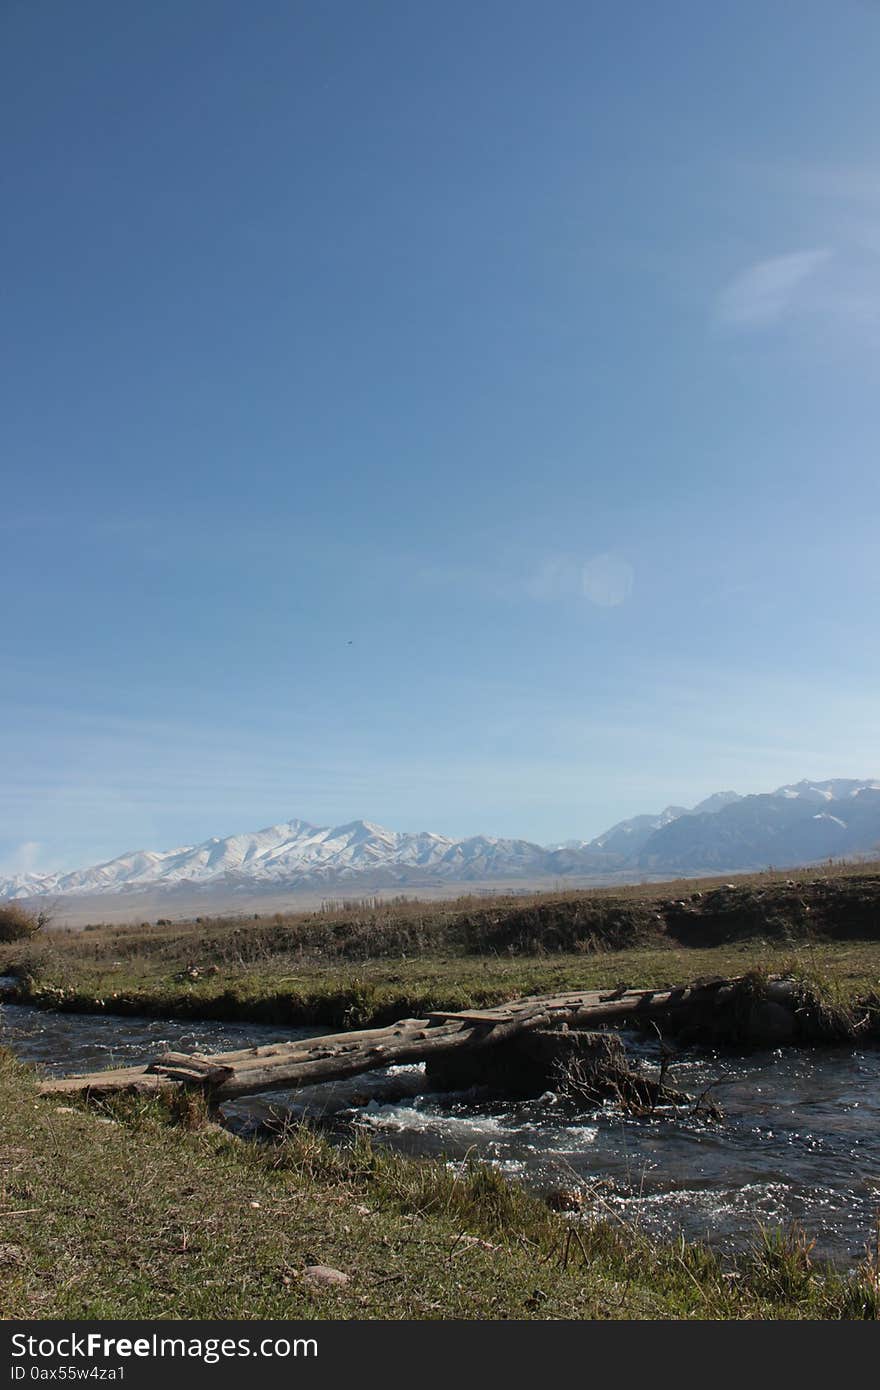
x: 797, y: 824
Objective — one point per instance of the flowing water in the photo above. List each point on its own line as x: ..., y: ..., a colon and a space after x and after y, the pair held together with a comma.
x: 800, y: 1138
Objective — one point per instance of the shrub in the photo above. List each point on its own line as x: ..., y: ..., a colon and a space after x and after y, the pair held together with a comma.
x: 17, y: 923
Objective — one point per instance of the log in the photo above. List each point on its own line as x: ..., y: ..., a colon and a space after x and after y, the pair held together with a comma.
x: 187, y: 1066
x: 336, y: 1056
x: 118, y: 1081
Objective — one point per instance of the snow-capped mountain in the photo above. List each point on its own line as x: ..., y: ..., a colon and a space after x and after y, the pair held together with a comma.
x: 296, y: 854
x: 628, y: 836
x: 292, y: 852
x: 795, y: 824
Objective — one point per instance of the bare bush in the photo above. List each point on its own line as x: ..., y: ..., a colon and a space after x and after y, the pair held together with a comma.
x: 18, y: 923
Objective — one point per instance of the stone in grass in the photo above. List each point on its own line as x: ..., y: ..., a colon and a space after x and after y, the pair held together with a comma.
x: 324, y: 1274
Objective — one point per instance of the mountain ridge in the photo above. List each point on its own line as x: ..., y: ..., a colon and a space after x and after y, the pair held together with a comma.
x: 798, y: 823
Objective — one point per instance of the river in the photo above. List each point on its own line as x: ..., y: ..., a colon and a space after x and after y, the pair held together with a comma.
x: 800, y: 1138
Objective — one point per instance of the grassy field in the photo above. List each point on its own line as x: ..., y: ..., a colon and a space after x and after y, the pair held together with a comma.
x: 137, y: 1212
x: 372, y: 962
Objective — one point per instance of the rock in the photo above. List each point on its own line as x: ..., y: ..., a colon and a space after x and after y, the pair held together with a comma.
x: 324, y: 1274
x: 565, y: 1199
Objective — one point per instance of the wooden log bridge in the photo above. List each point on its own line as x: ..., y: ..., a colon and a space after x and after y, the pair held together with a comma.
x: 333, y: 1057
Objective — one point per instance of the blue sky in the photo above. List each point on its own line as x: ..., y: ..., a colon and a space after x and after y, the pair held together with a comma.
x: 462, y: 416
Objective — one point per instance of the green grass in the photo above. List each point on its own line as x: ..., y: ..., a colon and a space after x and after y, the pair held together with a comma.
x: 135, y: 1211
x: 285, y: 989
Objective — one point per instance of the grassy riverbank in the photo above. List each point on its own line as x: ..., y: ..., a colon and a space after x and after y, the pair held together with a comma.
x: 379, y: 992
x: 372, y: 963
x: 132, y: 1212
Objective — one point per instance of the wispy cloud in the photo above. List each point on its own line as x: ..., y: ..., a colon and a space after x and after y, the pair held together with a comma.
x: 558, y: 576
x: 23, y: 859
x: 608, y: 580
x: 767, y: 290
x: 605, y: 579
x: 841, y: 185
